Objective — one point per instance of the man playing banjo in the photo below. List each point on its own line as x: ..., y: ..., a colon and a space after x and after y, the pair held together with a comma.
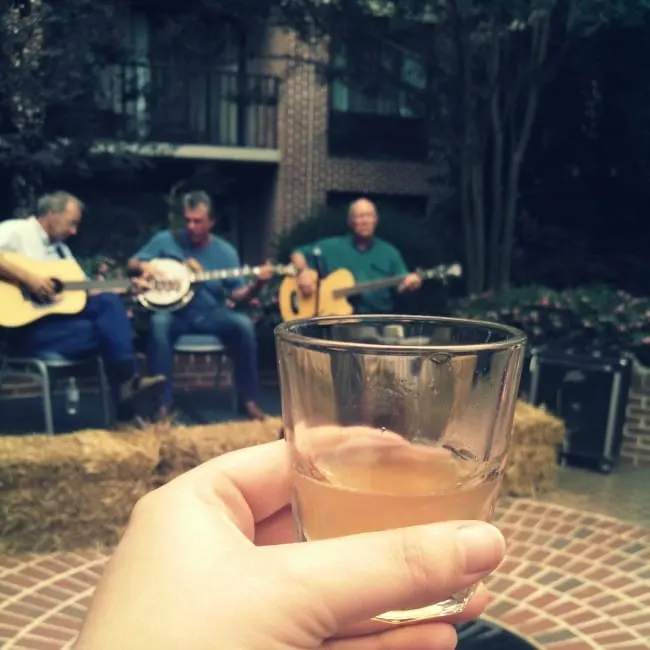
x: 103, y: 326
x: 207, y: 312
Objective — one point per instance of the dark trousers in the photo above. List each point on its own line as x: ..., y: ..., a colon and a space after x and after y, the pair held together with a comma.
x: 235, y: 330
x: 103, y: 327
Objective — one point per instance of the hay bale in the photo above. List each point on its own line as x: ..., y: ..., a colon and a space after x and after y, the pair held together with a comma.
x: 534, y: 425
x: 66, y: 515
x: 531, y: 471
x: 532, y: 459
x: 186, y: 447
x: 93, y: 455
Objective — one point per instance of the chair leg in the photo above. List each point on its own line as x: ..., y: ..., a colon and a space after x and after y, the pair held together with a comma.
x: 221, y: 357
x: 47, y: 397
x: 105, y: 391
x: 233, y: 394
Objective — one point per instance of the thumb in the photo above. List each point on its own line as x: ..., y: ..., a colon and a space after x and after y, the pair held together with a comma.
x: 361, y: 576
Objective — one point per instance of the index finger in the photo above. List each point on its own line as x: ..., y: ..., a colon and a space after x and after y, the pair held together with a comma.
x: 257, y: 477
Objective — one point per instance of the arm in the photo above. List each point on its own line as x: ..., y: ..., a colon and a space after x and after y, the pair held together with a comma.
x: 43, y: 288
x: 411, y: 281
x: 13, y: 273
x: 299, y: 261
x: 242, y: 291
x: 307, y: 277
x: 398, y: 266
x: 139, y: 263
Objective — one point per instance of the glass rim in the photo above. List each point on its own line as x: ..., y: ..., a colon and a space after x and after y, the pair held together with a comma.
x: 284, y: 332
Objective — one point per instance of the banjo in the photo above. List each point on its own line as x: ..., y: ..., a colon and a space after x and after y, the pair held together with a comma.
x: 177, y: 287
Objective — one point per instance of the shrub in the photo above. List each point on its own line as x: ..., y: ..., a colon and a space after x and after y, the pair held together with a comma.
x: 601, y: 315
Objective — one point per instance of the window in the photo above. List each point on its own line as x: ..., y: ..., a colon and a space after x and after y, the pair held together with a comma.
x: 376, y: 102
x: 385, y: 79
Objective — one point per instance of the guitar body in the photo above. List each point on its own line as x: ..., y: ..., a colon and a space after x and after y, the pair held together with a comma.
x: 294, y: 305
x: 18, y: 309
x: 332, y: 296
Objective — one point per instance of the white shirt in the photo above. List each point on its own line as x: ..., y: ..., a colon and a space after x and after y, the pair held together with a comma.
x: 27, y: 237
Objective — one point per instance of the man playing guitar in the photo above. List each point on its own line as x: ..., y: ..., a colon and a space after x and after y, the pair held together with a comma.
x: 207, y: 312
x: 366, y: 256
x: 102, y: 326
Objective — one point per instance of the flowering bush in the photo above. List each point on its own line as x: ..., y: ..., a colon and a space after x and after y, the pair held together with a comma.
x: 599, y: 314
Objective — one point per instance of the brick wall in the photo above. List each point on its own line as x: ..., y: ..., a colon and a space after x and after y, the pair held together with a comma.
x: 307, y: 171
x: 636, y: 434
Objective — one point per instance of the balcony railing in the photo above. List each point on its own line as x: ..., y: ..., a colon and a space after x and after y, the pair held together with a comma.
x: 149, y: 102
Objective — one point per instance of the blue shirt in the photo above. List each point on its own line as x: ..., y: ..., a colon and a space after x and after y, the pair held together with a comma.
x: 217, y: 255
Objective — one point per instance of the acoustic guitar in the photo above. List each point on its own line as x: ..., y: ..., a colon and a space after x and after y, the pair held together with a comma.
x: 19, y: 308
x: 173, y: 291
x: 332, y: 294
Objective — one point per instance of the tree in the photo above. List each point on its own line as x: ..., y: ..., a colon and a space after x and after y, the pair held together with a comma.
x: 51, y: 56
x: 486, y: 63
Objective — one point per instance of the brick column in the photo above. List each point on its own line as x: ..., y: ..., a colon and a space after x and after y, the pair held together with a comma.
x: 636, y: 434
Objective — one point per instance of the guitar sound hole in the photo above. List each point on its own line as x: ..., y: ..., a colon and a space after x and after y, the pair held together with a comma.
x: 58, y: 285
x: 294, y: 303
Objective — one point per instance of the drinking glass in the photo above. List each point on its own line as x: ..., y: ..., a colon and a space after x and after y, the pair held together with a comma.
x: 394, y: 421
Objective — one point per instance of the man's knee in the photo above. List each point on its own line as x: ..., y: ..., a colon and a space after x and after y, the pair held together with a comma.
x: 160, y: 326
x: 106, y: 301
x: 244, y: 326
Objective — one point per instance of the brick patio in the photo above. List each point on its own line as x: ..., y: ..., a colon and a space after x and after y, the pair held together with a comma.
x: 571, y: 581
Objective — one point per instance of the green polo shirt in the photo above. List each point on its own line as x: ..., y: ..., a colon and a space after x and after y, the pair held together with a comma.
x: 379, y: 261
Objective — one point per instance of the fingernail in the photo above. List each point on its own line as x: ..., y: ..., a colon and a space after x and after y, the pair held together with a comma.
x: 482, y: 546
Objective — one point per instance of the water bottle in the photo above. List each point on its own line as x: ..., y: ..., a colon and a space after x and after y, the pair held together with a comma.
x: 72, y: 397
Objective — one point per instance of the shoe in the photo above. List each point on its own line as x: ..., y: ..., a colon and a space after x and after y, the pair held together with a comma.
x: 165, y: 414
x: 140, y: 387
x: 253, y: 411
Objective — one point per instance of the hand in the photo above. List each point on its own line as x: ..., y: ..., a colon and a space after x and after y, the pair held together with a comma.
x: 43, y: 289
x: 193, y: 265
x: 207, y: 559
x: 150, y: 272
x: 307, y: 279
x: 412, y: 282
x: 142, y: 284
x: 265, y: 273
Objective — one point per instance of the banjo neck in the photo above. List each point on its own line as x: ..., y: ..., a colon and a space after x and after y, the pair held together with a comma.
x: 240, y: 272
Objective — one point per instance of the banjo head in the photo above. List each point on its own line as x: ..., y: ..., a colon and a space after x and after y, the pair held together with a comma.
x: 172, y: 290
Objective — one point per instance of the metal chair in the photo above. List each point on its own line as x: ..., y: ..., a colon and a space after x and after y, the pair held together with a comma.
x: 50, y: 367
x: 206, y: 344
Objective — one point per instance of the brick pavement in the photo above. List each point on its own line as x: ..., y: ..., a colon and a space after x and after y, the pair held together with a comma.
x: 572, y: 580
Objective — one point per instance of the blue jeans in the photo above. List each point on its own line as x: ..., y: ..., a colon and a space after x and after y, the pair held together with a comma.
x: 235, y: 330
x: 103, y: 328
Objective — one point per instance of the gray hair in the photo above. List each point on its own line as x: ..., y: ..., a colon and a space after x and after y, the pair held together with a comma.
x: 193, y: 200
x: 56, y: 202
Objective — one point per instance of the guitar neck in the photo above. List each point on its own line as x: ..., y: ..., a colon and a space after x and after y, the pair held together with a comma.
x: 93, y: 285
x: 440, y: 272
x: 374, y: 285
x: 243, y: 272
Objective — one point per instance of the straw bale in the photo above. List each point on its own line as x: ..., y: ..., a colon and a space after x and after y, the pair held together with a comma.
x: 534, y: 425
x: 67, y: 514
x: 531, y: 471
x: 186, y: 447
x: 93, y: 455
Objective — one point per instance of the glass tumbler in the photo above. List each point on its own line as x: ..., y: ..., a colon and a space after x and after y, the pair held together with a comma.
x: 395, y: 421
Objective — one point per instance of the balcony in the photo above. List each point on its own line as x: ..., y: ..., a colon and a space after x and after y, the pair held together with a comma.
x: 182, y: 111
